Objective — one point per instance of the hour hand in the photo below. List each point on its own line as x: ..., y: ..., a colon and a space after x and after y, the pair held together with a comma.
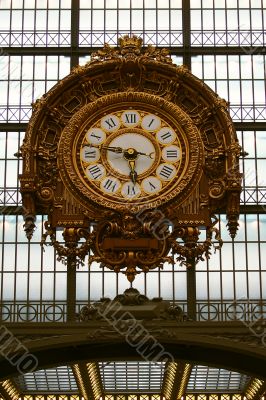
x: 133, y: 174
x: 111, y: 148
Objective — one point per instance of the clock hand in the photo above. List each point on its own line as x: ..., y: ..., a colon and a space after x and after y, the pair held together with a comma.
x: 150, y: 155
x: 131, y: 155
x: 133, y: 175
x: 111, y: 148
x: 120, y: 150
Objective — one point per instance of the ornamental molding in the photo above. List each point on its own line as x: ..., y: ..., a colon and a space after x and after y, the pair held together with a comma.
x: 216, y: 335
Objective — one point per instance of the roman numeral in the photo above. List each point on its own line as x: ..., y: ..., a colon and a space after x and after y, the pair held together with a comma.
x: 166, y: 172
x: 171, y: 153
x: 166, y: 135
x: 95, y: 171
x: 96, y: 136
x: 110, y: 123
x: 110, y: 185
x: 90, y: 153
x: 152, y: 186
x: 131, y: 118
x: 151, y: 123
x: 131, y: 190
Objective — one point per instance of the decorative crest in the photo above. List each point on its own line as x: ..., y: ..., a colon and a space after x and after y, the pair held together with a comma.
x: 127, y: 43
x: 130, y: 47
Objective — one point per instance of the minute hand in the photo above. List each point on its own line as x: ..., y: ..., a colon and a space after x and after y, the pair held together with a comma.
x: 150, y: 155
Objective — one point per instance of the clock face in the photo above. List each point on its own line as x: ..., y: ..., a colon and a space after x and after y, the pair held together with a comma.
x: 131, y: 155
x: 130, y: 150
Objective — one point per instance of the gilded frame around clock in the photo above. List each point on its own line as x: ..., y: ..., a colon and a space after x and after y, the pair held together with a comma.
x: 188, y: 134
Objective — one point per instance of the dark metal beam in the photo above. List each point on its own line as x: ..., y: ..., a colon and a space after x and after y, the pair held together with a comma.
x: 227, y: 50
x: 186, y: 33
x: 31, y: 51
x: 71, y: 289
x: 74, y: 61
x: 11, y: 210
x: 75, y: 50
x: 13, y: 127
x: 253, y: 209
x: 204, y: 342
x: 240, y: 126
x: 250, y: 126
x: 191, y: 290
x: 71, y: 262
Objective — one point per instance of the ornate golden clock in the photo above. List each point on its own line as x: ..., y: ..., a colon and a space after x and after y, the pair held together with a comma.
x: 133, y: 155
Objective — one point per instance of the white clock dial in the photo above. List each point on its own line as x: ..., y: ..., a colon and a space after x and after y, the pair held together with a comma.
x: 131, y: 140
x: 90, y: 154
x: 171, y: 153
x: 151, y: 122
x: 95, y: 172
x: 130, y: 190
x: 110, y: 123
x: 110, y: 184
x: 130, y: 118
x: 151, y: 185
x: 166, y: 172
x: 166, y: 135
x: 95, y: 136
x: 131, y: 156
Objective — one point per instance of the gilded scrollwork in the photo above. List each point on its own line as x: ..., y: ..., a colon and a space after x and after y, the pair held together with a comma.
x: 159, y: 55
x: 201, y: 115
x: 38, y: 104
x: 190, y: 249
x: 217, y: 189
x: 47, y: 172
x: 126, y: 243
x: 215, y: 165
x: 25, y: 152
x: 69, y: 254
x: 77, y: 70
x: 106, y: 53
